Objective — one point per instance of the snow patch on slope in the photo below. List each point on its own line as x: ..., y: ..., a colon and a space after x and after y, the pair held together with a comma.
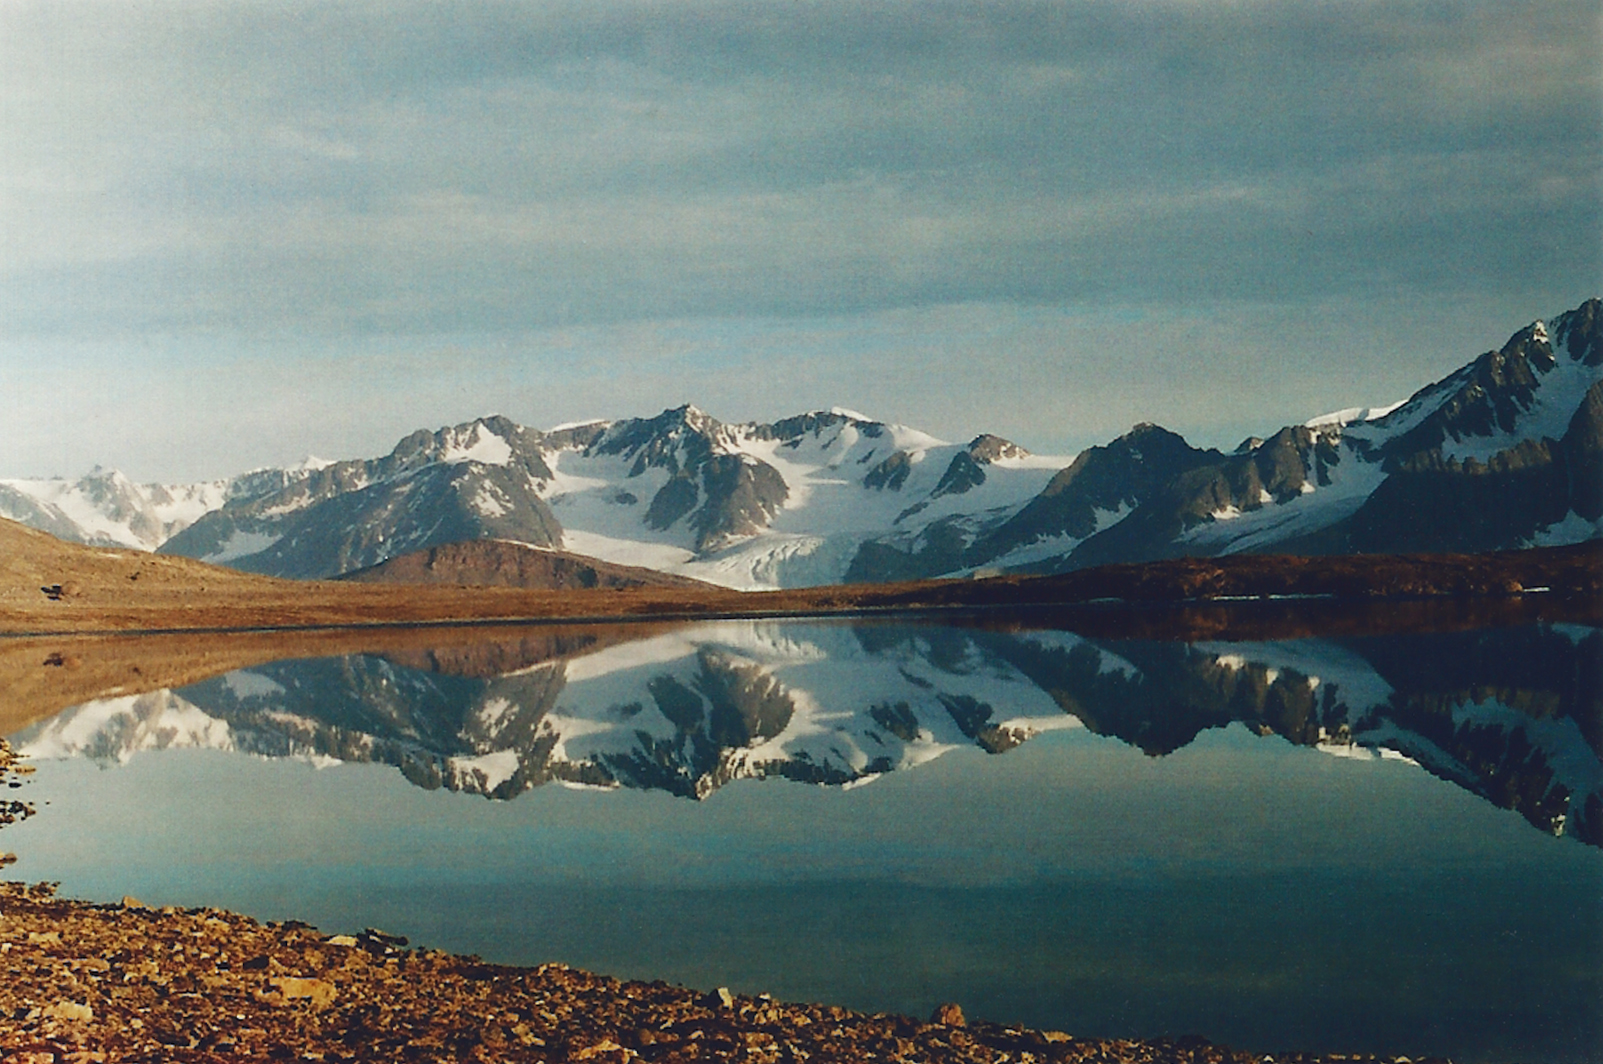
x: 1554, y: 403
x: 482, y: 446
x: 1054, y: 639
x: 1044, y: 548
x: 1352, y: 481
x: 1573, y: 529
x: 777, y: 560
x: 1575, y: 765
x: 239, y: 544
x: 245, y: 684
x: 602, y: 501
x: 491, y: 501
x: 1323, y: 662
x: 664, y: 557
x: 843, y: 411
x: 1575, y: 633
x: 488, y: 771
x: 115, y: 729
x: 1339, y: 418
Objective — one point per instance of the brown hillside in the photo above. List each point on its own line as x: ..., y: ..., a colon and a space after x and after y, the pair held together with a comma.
x: 42, y: 675
x: 502, y: 563
x: 47, y: 586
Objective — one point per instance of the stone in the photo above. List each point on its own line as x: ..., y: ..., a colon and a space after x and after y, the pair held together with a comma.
x: 319, y: 992
x: 948, y: 1015
x: 170, y: 986
x: 69, y: 1010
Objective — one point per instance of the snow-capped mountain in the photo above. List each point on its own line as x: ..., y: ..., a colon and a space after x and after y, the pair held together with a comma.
x: 106, y: 509
x: 1510, y: 715
x: 481, y: 480
x: 776, y: 505
x: 1504, y: 453
x: 748, y: 505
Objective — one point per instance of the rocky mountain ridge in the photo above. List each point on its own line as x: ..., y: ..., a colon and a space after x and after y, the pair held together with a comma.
x: 743, y: 505
x: 1504, y: 453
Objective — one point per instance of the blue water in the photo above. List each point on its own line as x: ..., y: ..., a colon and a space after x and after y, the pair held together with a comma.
x: 1259, y: 893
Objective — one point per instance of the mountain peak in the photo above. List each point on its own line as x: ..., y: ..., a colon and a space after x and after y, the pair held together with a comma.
x: 1534, y: 334
x: 104, y: 475
x: 678, y: 438
x: 986, y: 448
x: 1144, y: 434
x: 1580, y: 332
x: 684, y: 416
x: 693, y: 416
x: 848, y: 412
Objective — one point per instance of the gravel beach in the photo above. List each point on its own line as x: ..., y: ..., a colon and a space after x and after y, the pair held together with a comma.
x: 103, y: 983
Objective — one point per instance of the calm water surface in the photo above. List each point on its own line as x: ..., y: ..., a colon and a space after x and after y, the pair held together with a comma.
x: 1362, y: 845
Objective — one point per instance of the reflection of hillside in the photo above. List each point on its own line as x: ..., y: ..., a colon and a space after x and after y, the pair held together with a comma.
x: 41, y: 675
x: 1512, y: 715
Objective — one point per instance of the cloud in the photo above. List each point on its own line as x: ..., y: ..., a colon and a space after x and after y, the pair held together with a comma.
x: 248, y: 179
x: 416, y: 166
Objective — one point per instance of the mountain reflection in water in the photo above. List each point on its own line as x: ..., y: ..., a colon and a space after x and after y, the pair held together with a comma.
x: 1108, y: 832
x: 1514, y: 715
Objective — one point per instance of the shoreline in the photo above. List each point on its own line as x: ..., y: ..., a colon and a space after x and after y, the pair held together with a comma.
x: 45, y: 673
x: 52, y: 588
x: 1532, y: 601
x: 96, y: 984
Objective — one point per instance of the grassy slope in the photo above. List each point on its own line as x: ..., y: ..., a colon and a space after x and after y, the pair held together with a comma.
x: 122, y: 590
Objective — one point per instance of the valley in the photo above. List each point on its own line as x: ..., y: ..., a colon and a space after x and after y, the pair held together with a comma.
x: 48, y: 587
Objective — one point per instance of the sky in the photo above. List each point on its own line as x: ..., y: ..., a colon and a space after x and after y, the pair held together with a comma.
x: 235, y: 234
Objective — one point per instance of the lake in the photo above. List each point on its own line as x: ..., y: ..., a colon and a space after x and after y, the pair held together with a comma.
x: 1357, y: 844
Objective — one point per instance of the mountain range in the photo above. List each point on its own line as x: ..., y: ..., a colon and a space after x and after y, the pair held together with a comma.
x: 1506, y: 452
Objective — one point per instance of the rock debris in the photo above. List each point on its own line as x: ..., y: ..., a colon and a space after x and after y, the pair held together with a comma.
x: 96, y: 984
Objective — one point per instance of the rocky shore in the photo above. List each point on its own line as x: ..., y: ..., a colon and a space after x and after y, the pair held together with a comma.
x: 105, y: 983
